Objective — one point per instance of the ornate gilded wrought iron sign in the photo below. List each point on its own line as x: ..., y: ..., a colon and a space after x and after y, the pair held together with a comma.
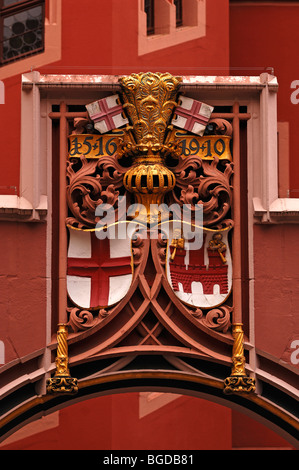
x: 149, y: 193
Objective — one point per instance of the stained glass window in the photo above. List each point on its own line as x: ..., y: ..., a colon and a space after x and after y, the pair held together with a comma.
x: 22, y: 29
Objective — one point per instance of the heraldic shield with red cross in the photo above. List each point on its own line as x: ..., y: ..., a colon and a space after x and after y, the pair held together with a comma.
x: 99, y: 271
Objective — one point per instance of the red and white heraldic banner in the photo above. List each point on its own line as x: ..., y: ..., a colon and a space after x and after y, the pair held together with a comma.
x: 192, y: 115
x: 107, y: 114
x: 99, y: 271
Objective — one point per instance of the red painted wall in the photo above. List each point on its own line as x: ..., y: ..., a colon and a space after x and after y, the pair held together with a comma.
x: 22, y: 288
x: 10, y: 124
x: 101, y: 38
x: 269, y: 36
x: 277, y: 305
x: 97, y: 38
x: 113, y: 422
x: 272, y: 42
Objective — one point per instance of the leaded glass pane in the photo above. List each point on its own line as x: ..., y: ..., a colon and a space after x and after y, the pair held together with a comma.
x: 6, y: 3
x: 22, y: 32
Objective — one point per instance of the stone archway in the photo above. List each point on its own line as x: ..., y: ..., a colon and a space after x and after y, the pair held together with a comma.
x: 270, y: 414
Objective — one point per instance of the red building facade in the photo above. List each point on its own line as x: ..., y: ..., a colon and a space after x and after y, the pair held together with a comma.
x: 237, y: 56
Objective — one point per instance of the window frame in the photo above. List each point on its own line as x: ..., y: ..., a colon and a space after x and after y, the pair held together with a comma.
x: 150, y: 17
x: 166, y: 33
x: 178, y: 12
x: 13, y: 9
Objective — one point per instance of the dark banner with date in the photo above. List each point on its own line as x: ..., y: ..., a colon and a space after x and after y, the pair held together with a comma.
x: 206, y: 147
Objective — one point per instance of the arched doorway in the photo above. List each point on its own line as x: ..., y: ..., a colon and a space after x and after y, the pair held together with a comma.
x: 119, y: 400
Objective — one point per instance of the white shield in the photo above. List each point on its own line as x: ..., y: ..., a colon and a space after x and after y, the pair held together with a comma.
x: 99, y: 271
x: 200, y: 277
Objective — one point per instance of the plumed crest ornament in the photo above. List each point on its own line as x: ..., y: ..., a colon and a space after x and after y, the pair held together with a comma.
x: 149, y: 100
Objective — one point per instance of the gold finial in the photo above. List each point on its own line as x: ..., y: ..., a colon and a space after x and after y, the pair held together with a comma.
x: 149, y: 99
x: 238, y: 382
x: 62, y: 382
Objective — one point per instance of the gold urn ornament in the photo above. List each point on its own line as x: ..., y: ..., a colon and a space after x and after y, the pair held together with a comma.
x: 149, y: 100
x: 149, y: 182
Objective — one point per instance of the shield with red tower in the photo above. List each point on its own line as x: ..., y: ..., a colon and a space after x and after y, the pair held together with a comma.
x: 201, y: 277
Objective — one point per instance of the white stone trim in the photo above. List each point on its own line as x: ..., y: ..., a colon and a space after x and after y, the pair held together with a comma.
x: 259, y: 94
x: 32, y: 204
x: 19, y: 208
x: 262, y: 143
x: 281, y: 210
